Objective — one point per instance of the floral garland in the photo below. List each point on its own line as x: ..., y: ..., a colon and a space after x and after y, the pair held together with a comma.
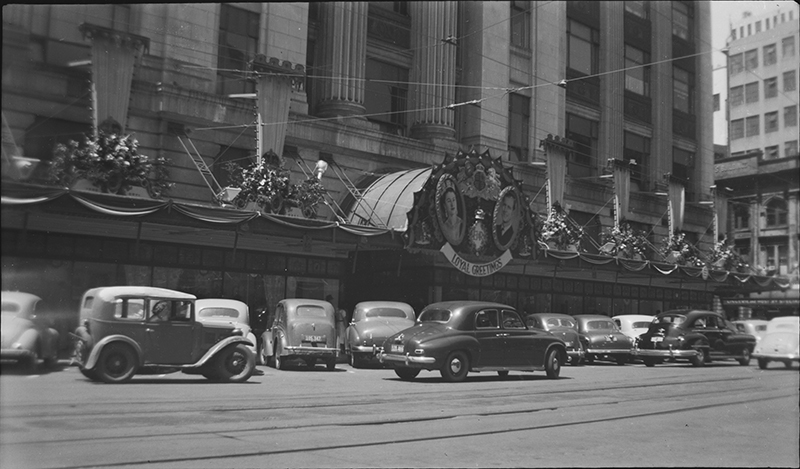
x: 624, y: 241
x: 559, y: 229
x: 724, y: 257
x: 679, y: 250
x: 111, y: 162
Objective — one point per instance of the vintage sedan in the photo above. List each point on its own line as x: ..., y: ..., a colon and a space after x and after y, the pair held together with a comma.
x: 603, y: 339
x: 565, y: 328
x: 27, y: 330
x: 303, y: 329
x: 456, y: 337
x: 781, y: 343
x: 633, y: 325
x: 372, y: 323
x: 127, y: 330
x: 695, y: 335
x: 755, y: 327
x: 228, y: 313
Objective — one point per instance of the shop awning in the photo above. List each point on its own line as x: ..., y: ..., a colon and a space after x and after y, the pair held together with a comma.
x: 386, y: 202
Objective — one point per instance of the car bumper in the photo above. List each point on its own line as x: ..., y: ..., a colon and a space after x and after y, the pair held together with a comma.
x: 406, y: 360
x: 370, y: 349
x: 609, y: 351
x: 312, y: 351
x: 16, y: 354
x: 575, y: 355
x: 777, y: 356
x: 667, y: 353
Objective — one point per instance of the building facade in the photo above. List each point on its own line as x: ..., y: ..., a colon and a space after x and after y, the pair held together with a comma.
x: 761, y: 172
x: 370, y: 89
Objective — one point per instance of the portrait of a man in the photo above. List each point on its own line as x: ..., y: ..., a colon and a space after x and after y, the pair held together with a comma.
x: 506, y: 218
x: 450, y: 210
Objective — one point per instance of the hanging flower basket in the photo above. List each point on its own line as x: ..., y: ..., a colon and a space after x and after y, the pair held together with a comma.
x: 678, y: 250
x: 110, y: 163
x: 623, y: 241
x: 723, y: 257
x: 559, y: 231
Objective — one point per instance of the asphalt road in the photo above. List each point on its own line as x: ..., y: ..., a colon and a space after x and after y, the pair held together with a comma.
x: 593, y: 416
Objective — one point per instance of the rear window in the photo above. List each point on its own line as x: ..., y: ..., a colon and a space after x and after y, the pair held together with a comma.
x: 87, y: 302
x: 677, y: 319
x: 435, y: 315
x: 310, y: 312
x: 219, y: 313
x: 600, y: 325
x: 641, y: 324
x: 761, y: 328
x: 386, y: 313
x: 9, y: 307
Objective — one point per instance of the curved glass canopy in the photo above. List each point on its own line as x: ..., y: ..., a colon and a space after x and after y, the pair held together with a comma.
x: 385, y: 203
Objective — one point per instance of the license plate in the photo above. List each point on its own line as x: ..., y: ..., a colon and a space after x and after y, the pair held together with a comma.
x: 314, y: 338
x: 657, y: 339
x: 397, y: 348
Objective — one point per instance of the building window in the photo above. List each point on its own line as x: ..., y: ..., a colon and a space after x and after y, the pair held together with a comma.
x: 637, y: 148
x: 519, y: 117
x: 751, y: 59
x: 758, y: 26
x: 790, y: 149
x: 737, y: 129
x: 771, y: 153
x: 681, y: 162
x: 776, y: 212
x: 751, y: 92
x: 637, y: 75
x: 386, y: 94
x: 583, y: 48
x: 520, y: 24
x: 789, y: 81
x: 771, y: 122
x: 682, y: 22
x: 44, y: 133
x: 238, y: 42
x: 771, y: 87
x: 640, y: 9
x: 790, y: 116
x: 788, y: 46
x: 737, y: 64
x: 716, y: 102
x: 752, y: 126
x: 775, y: 258
x: 737, y: 96
x: 733, y: 33
x: 741, y: 216
x: 584, y: 134
x: 682, y: 90
x: 770, y: 55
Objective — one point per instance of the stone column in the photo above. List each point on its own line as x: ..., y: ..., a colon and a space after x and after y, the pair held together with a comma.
x: 434, y: 68
x: 114, y: 55
x: 612, y: 85
x: 661, y: 92
x: 343, y: 58
x: 274, y: 85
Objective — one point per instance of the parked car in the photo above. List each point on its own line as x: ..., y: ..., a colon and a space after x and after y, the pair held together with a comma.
x: 127, y: 330
x: 565, y: 328
x: 228, y: 313
x: 27, y: 330
x: 302, y: 329
x: 457, y: 337
x: 372, y: 323
x: 633, y: 325
x: 603, y: 339
x: 755, y: 327
x: 781, y: 343
x: 695, y: 335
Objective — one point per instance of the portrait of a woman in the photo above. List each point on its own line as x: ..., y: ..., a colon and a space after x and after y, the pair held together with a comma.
x: 450, y: 210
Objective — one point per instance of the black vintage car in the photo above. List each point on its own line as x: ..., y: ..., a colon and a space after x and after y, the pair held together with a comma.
x: 457, y: 337
x: 695, y: 335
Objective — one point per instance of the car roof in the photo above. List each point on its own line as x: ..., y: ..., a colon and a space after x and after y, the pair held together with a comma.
x: 24, y: 299
x: 468, y: 305
x: 551, y: 315
x: 110, y: 293
x: 786, y: 319
x: 591, y: 316
x: 383, y: 304
x: 205, y: 302
x: 295, y: 302
x: 633, y: 317
x: 751, y: 321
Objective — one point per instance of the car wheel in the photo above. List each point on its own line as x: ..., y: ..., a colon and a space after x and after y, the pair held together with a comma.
x: 700, y: 359
x: 310, y: 362
x: 589, y: 359
x: 262, y: 354
x: 356, y: 361
x: 763, y: 363
x: 117, y: 363
x: 502, y: 374
x: 649, y: 362
x: 621, y: 359
x: 576, y: 361
x: 277, y: 360
x: 455, y: 367
x: 745, y: 359
x: 235, y: 364
x: 32, y: 362
x: 405, y: 373
x: 330, y: 364
x: 50, y: 362
x: 552, y: 364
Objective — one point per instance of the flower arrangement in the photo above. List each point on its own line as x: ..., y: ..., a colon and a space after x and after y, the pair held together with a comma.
x: 111, y: 162
x: 678, y: 250
x: 559, y: 229
x: 308, y: 194
x: 722, y: 256
x: 624, y: 241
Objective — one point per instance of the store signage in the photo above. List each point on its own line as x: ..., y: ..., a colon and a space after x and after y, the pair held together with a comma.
x: 760, y: 302
x: 473, y: 269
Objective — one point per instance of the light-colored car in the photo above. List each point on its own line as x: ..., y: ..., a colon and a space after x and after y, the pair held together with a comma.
x: 227, y: 312
x: 373, y: 322
x: 781, y: 343
x: 754, y: 327
x: 633, y: 325
x: 303, y: 329
x: 604, y: 341
x: 27, y: 332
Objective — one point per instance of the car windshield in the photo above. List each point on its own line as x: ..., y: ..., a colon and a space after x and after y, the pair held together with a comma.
x: 600, y: 326
x: 640, y: 324
x: 435, y: 315
x: 676, y: 319
x: 310, y: 312
x: 219, y: 313
x: 386, y: 313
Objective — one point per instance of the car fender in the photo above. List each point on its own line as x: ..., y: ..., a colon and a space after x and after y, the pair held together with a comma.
x: 562, y: 350
x: 94, y: 355
x: 28, y: 340
x: 219, y: 346
x: 266, y: 339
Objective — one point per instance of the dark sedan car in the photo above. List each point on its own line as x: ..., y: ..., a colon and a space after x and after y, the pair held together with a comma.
x: 456, y: 337
x: 565, y: 328
x: 604, y: 340
x: 694, y: 335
